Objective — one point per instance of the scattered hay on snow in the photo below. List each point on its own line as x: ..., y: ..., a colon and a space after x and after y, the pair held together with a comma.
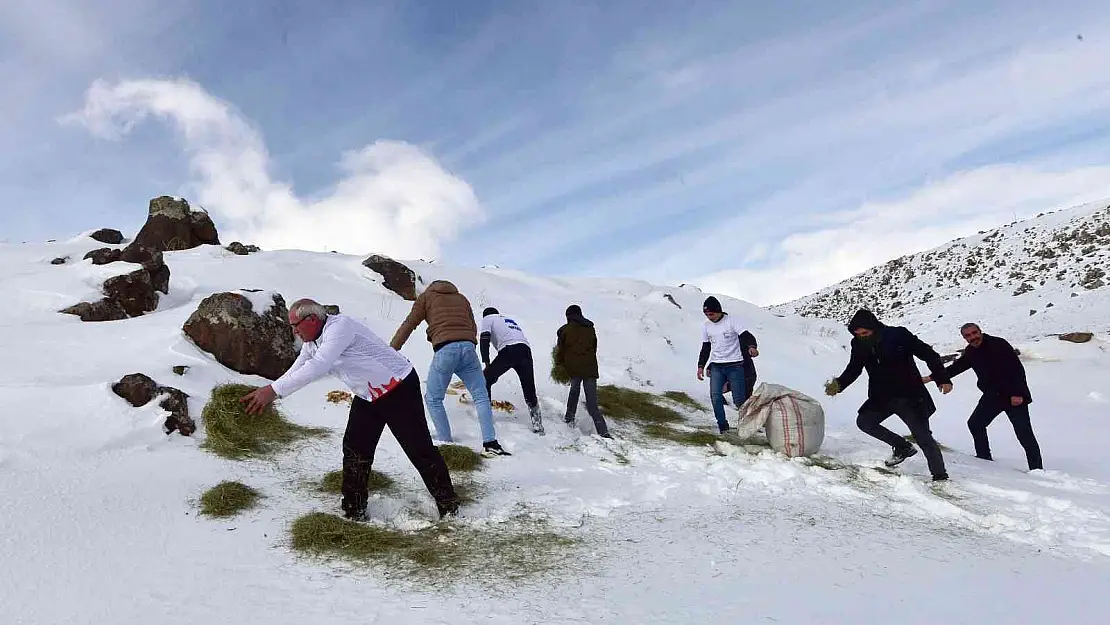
x: 339, y: 397
x: 684, y: 399
x: 234, y: 434
x: 460, y: 458
x: 228, y: 499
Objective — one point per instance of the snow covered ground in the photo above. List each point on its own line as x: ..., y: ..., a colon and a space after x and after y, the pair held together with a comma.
x: 99, y: 521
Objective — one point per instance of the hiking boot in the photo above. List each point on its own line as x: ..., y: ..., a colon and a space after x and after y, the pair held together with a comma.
x: 493, y: 448
x: 355, y: 515
x: 605, y: 435
x: 898, y: 456
x: 943, y: 477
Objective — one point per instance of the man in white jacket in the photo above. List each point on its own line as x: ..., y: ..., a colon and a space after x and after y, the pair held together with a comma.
x: 386, y: 391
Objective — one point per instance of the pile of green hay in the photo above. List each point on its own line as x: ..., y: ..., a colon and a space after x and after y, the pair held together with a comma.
x: 228, y: 499
x: 459, y: 458
x: 684, y: 399
x: 693, y: 438
x: 558, y: 372
x: 439, y: 554
x: 652, y: 414
x: 332, y: 482
x: 234, y: 434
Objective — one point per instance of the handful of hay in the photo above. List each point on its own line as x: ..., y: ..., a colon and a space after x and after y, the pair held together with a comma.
x: 234, y: 434
x: 338, y: 397
x: 558, y: 372
x: 228, y: 499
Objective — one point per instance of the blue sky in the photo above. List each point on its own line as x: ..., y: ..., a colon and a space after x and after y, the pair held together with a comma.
x: 758, y: 149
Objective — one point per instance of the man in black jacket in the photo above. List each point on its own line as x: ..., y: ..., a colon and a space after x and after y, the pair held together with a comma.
x: 894, y: 386
x: 1005, y: 389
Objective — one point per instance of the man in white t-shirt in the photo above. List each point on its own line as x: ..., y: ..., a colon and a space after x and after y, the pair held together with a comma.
x: 386, y: 393
x: 721, y: 347
x: 513, y: 352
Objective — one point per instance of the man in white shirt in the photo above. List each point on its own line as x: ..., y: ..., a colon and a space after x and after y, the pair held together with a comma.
x: 386, y: 391
x: 513, y: 352
x: 721, y: 347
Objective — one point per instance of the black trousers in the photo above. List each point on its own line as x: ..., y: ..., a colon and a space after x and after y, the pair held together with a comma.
x: 870, y: 421
x: 518, y: 358
x: 990, y: 407
x: 590, y: 385
x: 402, y: 409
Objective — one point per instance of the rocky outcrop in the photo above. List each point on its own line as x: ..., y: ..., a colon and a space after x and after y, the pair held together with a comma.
x: 152, y: 261
x: 669, y: 298
x: 242, y: 339
x: 242, y: 250
x: 139, y: 389
x: 398, y: 277
x: 1077, y: 337
x: 133, y: 291
x: 102, y: 310
x: 172, y: 225
x: 103, y: 256
x: 107, y: 235
x: 333, y: 309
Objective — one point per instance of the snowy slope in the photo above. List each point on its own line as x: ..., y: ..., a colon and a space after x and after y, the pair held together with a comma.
x: 99, y: 524
x: 1024, y: 280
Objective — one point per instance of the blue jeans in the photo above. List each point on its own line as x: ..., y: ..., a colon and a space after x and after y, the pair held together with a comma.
x: 734, y: 373
x: 459, y: 359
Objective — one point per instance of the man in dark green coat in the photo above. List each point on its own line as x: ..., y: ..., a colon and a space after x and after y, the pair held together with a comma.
x: 576, y: 353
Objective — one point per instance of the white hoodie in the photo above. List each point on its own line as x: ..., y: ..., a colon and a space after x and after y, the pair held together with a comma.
x: 354, y: 354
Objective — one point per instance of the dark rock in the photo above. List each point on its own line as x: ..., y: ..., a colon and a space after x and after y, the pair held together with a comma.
x: 333, y: 309
x: 107, y: 235
x: 103, y: 256
x: 670, y: 299
x: 251, y: 342
x: 103, y: 310
x: 136, y: 388
x: 398, y: 278
x: 242, y: 250
x: 177, y: 404
x: 180, y: 369
x: 171, y: 225
x: 134, y: 292
x: 152, y: 261
x: 1077, y: 337
x: 61, y: 260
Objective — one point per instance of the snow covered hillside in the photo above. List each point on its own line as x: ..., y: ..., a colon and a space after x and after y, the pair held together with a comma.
x: 99, y: 523
x: 1027, y: 279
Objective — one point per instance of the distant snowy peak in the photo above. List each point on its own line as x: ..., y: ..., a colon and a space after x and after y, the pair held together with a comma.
x: 1042, y: 262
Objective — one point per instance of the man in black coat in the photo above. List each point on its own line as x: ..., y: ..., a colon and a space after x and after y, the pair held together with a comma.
x: 894, y: 386
x: 1005, y: 389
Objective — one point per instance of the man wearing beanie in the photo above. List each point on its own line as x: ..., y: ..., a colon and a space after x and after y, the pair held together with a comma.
x: 720, y: 347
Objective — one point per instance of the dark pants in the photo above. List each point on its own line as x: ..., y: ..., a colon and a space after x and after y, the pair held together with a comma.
x: 591, y: 403
x: 909, y: 410
x: 402, y: 409
x: 990, y: 407
x: 518, y: 358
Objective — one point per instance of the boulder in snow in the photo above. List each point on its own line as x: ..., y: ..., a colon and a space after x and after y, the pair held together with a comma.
x: 152, y: 261
x: 172, y: 225
x: 333, y: 309
x: 103, y: 310
x: 242, y: 250
x: 242, y: 338
x: 103, y: 256
x: 1077, y: 337
x: 107, y: 235
x: 138, y: 389
x: 398, y: 277
x: 133, y: 291
x: 61, y: 260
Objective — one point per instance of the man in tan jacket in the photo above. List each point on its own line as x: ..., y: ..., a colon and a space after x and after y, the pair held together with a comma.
x: 453, y: 334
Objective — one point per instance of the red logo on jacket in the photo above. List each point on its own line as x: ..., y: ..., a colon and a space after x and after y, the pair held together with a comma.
x: 377, y: 391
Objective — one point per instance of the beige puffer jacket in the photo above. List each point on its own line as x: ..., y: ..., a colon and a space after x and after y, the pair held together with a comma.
x: 448, y: 313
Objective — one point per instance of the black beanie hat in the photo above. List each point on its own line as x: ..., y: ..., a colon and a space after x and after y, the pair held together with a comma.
x: 574, y: 310
x: 490, y: 311
x: 711, y: 305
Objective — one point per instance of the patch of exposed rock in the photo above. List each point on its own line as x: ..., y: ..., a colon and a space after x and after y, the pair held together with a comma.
x: 139, y: 389
x: 172, y: 225
x: 107, y: 235
x: 242, y: 339
x: 397, y: 276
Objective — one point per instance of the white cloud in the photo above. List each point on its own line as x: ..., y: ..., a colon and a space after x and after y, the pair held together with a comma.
x: 852, y: 241
x: 393, y: 197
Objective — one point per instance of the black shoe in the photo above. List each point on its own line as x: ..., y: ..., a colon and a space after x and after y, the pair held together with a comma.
x: 447, y: 509
x: 355, y: 515
x: 898, y: 456
x: 943, y: 477
x: 493, y: 448
x: 605, y: 435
